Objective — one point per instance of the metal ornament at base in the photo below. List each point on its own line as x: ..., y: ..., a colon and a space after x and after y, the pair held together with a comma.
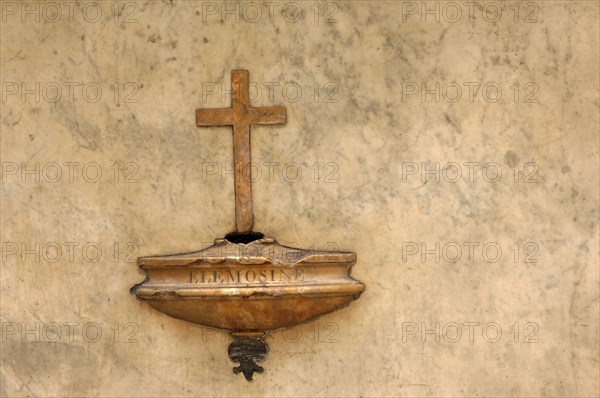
x: 247, y: 283
x: 247, y: 349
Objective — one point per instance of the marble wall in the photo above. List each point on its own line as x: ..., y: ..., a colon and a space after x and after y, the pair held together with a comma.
x: 452, y: 145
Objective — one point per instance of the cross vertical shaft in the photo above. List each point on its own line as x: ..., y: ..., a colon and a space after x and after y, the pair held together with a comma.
x: 240, y: 102
x: 241, y: 116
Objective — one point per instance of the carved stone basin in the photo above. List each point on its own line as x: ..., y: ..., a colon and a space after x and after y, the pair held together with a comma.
x: 253, y: 287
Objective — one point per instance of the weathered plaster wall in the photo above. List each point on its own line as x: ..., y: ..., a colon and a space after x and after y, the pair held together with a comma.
x: 478, y: 253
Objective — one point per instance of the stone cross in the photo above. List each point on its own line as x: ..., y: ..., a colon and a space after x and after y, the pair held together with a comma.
x: 241, y: 116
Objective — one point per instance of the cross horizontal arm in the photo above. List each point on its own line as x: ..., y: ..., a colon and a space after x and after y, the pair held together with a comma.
x: 271, y: 115
x: 214, y: 117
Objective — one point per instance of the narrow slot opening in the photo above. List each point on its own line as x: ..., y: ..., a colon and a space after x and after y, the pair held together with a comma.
x: 246, y: 238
